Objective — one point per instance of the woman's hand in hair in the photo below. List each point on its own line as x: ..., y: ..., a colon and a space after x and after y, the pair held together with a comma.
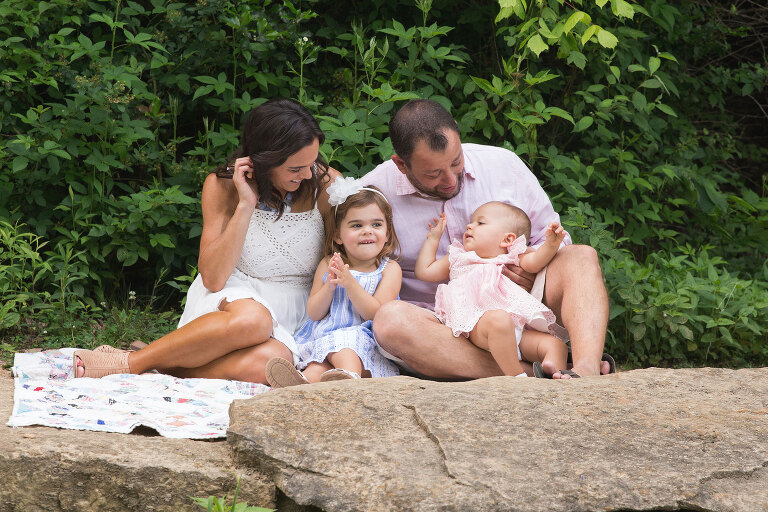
x: 243, y: 178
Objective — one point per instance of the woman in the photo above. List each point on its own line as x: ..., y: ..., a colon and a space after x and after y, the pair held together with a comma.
x: 261, y: 242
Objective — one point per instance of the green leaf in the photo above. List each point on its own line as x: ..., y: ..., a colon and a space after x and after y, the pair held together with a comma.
x: 510, y: 6
x: 348, y: 117
x: 686, y: 331
x: 591, y: 30
x: 577, y: 59
x: 666, y: 109
x: 622, y: 9
x: 666, y: 299
x: 716, y: 322
x: 202, y: 91
x: 504, y: 13
x: 653, y: 64
x: 555, y: 111
x: 206, y: 79
x: 651, y: 83
x: 668, y: 56
x: 19, y: 163
x: 642, y: 182
x: 574, y: 18
x: 606, y: 39
x: 537, y: 45
x: 583, y: 124
x: 639, y: 101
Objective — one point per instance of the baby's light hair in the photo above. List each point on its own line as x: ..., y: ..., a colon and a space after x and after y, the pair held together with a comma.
x: 359, y: 200
x: 518, y: 221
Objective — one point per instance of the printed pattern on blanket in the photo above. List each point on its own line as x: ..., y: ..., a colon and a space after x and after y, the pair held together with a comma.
x: 46, y: 394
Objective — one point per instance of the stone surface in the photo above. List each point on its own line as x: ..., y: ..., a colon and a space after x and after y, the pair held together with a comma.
x: 48, y: 469
x: 691, y: 439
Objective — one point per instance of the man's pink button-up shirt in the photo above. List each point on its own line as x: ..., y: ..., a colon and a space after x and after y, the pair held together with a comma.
x: 490, y: 174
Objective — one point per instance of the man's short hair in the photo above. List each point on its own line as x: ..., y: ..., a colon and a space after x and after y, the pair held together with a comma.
x: 417, y: 120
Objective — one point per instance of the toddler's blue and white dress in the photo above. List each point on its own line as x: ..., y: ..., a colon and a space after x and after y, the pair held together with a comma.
x: 342, y: 328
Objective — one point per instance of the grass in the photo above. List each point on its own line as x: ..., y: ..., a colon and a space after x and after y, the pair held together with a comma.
x: 116, y: 325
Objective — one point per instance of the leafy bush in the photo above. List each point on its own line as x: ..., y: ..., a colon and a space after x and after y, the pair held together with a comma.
x: 643, y: 122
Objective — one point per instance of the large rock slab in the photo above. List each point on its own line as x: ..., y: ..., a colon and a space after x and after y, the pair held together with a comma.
x: 639, y: 440
x: 48, y: 469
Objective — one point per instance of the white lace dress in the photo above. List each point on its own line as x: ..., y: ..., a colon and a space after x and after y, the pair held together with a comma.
x: 276, y: 268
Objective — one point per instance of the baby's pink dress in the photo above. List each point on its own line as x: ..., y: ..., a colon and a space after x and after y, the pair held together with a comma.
x: 477, y: 286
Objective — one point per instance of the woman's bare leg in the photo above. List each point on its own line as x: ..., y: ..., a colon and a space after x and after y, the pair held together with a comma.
x: 246, y: 364
x: 240, y: 324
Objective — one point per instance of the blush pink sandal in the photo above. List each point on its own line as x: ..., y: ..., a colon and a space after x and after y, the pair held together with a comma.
x: 101, y: 363
x: 108, y: 348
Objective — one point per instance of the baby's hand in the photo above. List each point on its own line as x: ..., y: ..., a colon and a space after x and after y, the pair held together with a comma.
x: 554, y: 233
x: 436, y: 230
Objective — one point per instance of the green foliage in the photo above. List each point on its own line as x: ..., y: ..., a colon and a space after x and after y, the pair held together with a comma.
x: 21, y: 268
x: 643, y: 121
x: 216, y: 504
x: 685, y: 308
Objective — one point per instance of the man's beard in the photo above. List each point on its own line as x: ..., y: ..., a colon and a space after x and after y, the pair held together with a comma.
x: 434, y: 192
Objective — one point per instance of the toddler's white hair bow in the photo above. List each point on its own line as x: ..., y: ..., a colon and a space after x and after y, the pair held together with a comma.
x: 342, y: 188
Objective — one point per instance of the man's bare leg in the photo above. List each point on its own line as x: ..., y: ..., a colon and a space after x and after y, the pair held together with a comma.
x: 576, y: 293
x: 414, y: 335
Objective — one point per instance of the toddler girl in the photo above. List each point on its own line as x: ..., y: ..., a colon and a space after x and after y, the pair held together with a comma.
x: 354, y: 278
x: 485, y: 306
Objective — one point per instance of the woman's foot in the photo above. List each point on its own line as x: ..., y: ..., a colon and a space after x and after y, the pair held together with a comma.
x: 281, y: 373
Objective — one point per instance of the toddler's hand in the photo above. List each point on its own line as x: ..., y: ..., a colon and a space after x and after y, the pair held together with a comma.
x: 333, y: 279
x: 340, y: 271
x: 554, y: 233
x: 436, y: 230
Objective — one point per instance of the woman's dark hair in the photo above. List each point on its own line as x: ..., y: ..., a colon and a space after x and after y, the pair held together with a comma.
x: 417, y: 120
x: 273, y: 132
x: 360, y: 200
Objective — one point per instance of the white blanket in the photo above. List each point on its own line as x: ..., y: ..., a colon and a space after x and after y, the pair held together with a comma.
x: 46, y: 394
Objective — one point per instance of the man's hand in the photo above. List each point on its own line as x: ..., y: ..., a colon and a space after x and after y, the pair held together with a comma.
x: 519, y: 276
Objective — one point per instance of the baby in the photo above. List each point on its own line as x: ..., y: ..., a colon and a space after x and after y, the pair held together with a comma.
x: 483, y: 305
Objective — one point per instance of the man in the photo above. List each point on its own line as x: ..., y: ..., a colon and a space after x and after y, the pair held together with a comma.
x: 433, y: 173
